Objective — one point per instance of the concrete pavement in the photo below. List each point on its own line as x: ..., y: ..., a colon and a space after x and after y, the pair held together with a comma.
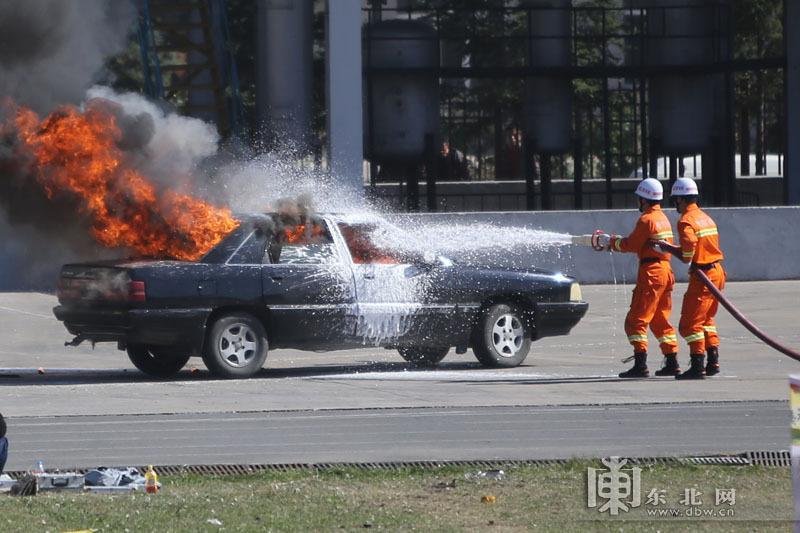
x: 576, y: 369
x: 378, y: 435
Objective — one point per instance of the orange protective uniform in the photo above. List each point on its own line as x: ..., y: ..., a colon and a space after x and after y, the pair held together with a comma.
x: 651, y: 304
x: 699, y: 241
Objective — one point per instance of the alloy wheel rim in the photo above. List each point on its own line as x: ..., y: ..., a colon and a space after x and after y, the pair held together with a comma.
x: 507, y: 335
x: 238, y: 345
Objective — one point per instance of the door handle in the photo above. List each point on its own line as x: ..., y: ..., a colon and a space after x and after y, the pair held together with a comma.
x: 277, y: 278
x: 369, y: 275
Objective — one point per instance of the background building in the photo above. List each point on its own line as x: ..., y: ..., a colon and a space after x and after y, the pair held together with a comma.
x: 493, y: 104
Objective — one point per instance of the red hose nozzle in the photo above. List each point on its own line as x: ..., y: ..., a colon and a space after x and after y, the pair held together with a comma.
x: 596, y: 240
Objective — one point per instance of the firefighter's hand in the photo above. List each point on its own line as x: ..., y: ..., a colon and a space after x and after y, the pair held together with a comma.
x: 665, y: 246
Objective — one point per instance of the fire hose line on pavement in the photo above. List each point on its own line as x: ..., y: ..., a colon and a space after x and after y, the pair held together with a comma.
x: 743, y: 320
x: 593, y: 240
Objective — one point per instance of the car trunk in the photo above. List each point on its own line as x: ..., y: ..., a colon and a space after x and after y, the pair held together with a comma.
x: 98, y: 285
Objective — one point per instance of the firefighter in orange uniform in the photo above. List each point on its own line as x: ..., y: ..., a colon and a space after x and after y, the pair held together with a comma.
x: 652, y: 297
x: 699, y: 244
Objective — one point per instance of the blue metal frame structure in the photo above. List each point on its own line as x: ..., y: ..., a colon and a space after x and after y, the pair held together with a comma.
x: 154, y: 84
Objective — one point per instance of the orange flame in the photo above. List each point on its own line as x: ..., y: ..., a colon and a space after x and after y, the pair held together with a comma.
x: 75, y: 154
x: 301, y: 233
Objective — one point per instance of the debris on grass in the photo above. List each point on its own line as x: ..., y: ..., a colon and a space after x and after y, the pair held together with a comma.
x: 493, y: 475
x: 445, y: 485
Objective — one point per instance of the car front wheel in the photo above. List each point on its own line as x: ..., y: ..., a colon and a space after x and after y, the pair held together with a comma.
x: 501, y: 337
x: 236, y: 346
x: 156, y: 361
x: 423, y: 356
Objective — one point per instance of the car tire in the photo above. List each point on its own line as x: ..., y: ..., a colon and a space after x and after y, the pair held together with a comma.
x: 501, y: 338
x: 157, y: 362
x: 236, y: 346
x: 423, y: 357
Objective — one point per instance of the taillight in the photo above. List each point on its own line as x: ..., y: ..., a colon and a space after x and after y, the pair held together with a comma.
x: 136, y: 291
x: 66, y: 290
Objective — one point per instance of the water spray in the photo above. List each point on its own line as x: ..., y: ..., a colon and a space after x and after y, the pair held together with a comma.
x: 592, y: 240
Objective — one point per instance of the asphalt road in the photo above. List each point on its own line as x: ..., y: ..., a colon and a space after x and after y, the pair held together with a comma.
x: 400, y: 435
x: 370, y: 391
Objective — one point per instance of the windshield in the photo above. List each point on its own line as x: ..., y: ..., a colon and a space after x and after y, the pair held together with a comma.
x: 363, y: 248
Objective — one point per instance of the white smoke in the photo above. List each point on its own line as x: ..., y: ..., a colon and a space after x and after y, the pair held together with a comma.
x: 165, y: 146
x: 257, y: 185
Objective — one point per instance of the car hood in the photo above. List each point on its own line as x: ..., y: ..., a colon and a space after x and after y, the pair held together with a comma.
x: 496, y: 271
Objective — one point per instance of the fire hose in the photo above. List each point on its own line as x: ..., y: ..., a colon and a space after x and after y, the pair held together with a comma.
x: 593, y: 241
x: 743, y: 320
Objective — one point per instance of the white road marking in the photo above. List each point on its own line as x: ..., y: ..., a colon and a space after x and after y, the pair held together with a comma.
x: 20, y: 311
x: 336, y: 414
x: 449, y: 375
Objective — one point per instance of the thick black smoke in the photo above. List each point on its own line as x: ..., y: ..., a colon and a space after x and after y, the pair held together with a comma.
x: 51, y: 52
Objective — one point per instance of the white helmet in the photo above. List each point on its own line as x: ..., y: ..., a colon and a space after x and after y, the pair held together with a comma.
x: 684, y: 187
x: 650, y: 189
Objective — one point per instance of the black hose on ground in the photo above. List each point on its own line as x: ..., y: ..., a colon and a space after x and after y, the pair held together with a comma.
x: 743, y: 320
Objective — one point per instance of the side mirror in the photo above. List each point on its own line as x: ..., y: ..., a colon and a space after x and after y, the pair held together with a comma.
x: 426, y: 262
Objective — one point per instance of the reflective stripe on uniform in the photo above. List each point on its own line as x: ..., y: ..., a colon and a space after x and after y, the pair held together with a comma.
x: 688, y: 254
x: 668, y: 338
x: 710, y: 329
x: 617, y: 244
x: 706, y: 232
x: 663, y: 235
x: 637, y: 338
x: 694, y: 337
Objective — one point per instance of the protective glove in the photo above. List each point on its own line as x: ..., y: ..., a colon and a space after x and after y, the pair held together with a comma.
x: 666, y: 247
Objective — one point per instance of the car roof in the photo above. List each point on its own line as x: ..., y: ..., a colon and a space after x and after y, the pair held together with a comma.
x: 347, y: 218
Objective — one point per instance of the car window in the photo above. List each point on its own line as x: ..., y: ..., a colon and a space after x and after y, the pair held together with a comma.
x: 222, y: 251
x: 362, y: 248
x: 308, y: 244
x: 250, y: 251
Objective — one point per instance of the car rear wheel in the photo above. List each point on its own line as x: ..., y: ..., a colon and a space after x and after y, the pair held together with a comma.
x: 159, y: 362
x: 236, y: 346
x: 501, y: 338
x: 418, y: 356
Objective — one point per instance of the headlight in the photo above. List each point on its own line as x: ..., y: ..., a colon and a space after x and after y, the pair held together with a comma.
x: 575, y: 293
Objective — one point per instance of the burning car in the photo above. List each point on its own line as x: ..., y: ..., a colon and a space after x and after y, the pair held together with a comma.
x: 320, y: 283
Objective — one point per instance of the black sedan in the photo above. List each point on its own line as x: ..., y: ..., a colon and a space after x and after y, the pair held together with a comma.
x: 317, y: 283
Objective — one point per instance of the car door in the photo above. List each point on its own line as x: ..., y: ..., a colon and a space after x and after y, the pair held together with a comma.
x: 399, y: 302
x: 308, y: 290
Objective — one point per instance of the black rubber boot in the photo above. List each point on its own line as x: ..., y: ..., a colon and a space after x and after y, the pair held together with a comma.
x: 670, y: 367
x: 696, y: 370
x: 712, y: 361
x: 639, y: 368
